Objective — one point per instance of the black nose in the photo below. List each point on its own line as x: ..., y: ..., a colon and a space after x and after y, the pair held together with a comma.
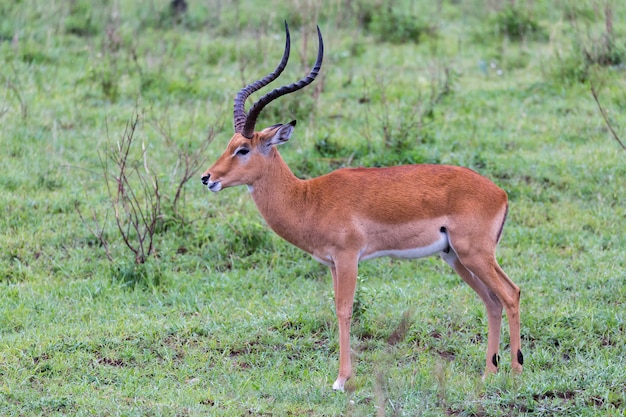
x: 205, y: 179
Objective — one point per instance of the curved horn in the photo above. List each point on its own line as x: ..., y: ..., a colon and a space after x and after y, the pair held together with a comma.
x: 240, y: 99
x: 255, y: 110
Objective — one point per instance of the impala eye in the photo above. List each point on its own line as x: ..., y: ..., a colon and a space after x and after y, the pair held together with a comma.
x: 242, y: 151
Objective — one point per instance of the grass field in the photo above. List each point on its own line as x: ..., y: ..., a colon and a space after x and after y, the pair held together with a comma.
x: 223, y: 317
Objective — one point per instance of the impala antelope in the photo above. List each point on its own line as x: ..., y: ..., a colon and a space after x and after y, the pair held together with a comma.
x: 354, y: 214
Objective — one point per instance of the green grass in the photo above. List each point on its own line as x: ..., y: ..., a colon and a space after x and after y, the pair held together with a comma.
x: 227, y: 319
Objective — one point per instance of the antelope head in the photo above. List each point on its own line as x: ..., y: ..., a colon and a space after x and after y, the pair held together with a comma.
x: 247, y: 151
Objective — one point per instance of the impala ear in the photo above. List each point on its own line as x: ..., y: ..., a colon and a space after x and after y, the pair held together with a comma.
x: 282, y: 134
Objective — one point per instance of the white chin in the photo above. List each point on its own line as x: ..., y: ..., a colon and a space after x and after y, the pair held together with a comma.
x: 215, y: 187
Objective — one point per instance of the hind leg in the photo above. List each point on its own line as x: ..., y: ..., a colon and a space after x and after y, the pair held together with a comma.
x: 484, y: 266
x: 492, y: 304
x: 513, y: 314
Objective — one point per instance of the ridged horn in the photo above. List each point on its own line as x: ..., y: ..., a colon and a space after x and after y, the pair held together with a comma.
x: 255, y: 110
x: 240, y: 99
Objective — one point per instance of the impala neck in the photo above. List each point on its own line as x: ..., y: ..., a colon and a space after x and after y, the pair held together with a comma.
x: 278, y: 194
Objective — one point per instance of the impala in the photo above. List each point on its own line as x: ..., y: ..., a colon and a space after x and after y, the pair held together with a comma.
x: 353, y: 214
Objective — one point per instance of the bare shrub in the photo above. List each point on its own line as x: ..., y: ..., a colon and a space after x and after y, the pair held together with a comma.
x: 137, y: 201
x: 134, y: 194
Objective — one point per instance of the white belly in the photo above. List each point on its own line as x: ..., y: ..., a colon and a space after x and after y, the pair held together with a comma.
x: 412, y: 253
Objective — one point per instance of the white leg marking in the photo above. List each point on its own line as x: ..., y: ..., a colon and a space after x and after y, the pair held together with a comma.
x: 338, y: 385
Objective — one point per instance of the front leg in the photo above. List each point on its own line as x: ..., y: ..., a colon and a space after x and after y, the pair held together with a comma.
x: 344, y: 272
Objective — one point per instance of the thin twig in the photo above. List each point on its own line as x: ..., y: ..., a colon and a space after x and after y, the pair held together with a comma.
x: 190, y: 160
x: 137, y: 209
x: 16, y: 92
x: 98, y: 232
x: 594, y: 93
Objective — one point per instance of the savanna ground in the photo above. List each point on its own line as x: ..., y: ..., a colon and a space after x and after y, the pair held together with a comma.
x: 214, y: 314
